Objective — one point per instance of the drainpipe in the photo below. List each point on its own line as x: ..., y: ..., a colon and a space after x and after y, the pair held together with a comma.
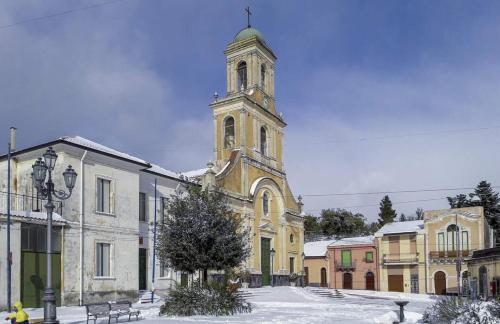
x: 81, y: 225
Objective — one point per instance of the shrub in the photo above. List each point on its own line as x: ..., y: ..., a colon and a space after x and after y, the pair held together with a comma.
x: 461, y: 310
x: 293, y: 277
x: 214, y: 299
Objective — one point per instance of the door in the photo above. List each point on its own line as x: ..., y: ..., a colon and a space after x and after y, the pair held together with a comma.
x: 370, y: 281
x: 265, y: 260
x: 184, y: 279
x: 306, y: 276
x: 324, y: 283
x: 396, y: 283
x: 347, y: 281
x: 483, y: 281
x: 34, y: 276
x: 142, y: 269
x: 440, y: 283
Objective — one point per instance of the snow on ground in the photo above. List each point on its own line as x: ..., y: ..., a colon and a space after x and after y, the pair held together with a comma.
x: 286, y: 305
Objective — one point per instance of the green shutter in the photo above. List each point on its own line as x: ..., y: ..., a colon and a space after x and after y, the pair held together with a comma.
x: 369, y: 256
x: 265, y: 260
x: 346, y: 258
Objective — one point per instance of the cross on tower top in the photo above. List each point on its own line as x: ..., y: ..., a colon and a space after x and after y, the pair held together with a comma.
x: 249, y: 13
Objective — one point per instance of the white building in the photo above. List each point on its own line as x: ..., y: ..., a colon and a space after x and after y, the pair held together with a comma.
x: 104, y: 231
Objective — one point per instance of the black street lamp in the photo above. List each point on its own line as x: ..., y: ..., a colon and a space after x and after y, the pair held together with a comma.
x: 303, y: 255
x: 45, y: 191
x: 273, y: 252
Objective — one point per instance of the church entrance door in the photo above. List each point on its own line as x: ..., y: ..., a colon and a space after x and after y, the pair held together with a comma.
x: 265, y: 261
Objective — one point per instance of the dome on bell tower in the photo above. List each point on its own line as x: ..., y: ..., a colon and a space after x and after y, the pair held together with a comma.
x: 248, y: 33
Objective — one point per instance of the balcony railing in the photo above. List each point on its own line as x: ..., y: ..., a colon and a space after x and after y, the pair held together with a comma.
x: 26, y: 203
x: 400, y: 258
x: 448, y: 254
x: 345, y: 266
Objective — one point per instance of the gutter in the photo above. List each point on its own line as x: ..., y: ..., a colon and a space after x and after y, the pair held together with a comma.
x: 81, y: 224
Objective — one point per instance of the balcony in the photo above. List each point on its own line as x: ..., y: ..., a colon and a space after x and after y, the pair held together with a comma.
x: 345, y: 266
x: 448, y: 254
x: 400, y: 258
x: 26, y: 203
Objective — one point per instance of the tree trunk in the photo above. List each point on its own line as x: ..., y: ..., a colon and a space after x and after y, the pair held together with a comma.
x: 205, y: 276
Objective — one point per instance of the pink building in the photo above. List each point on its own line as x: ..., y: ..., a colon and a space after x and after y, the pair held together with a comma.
x: 353, y: 263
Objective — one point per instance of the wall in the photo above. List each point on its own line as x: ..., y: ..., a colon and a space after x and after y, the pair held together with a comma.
x: 315, y: 265
x: 361, y: 266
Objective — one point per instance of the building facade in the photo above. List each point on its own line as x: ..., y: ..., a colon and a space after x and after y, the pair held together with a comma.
x: 402, y: 257
x: 353, y: 263
x: 452, y: 236
x: 316, y: 265
x: 103, y: 233
x: 484, y: 273
x: 249, y: 167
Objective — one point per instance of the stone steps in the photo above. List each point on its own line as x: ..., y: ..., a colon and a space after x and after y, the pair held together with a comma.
x: 325, y: 292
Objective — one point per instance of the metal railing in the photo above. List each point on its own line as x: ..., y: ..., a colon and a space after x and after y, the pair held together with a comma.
x: 401, y: 258
x: 448, y: 254
x: 342, y: 266
x: 26, y: 203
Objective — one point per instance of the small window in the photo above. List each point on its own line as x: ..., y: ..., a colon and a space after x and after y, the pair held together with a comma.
x: 263, y: 77
x: 291, y: 238
x: 265, y: 204
x: 103, y: 196
x: 163, y: 270
x: 292, y: 265
x: 263, y: 141
x: 242, y: 76
x: 369, y: 257
x: 103, y: 259
x: 229, y: 133
x: 142, y: 206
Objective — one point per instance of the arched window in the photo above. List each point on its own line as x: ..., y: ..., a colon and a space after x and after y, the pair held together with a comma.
x: 263, y: 141
x: 242, y: 75
x: 291, y: 238
x: 452, y: 237
x: 265, y: 203
x: 229, y: 133
x: 263, y: 77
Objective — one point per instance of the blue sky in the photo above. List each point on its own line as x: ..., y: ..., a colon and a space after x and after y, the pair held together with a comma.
x: 352, y: 77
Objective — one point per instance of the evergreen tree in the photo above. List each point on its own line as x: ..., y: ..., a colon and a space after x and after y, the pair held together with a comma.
x: 491, y: 204
x: 386, y: 214
x: 459, y: 201
x: 402, y: 218
x: 201, y: 232
x: 341, y: 222
x: 420, y: 213
x: 311, y: 227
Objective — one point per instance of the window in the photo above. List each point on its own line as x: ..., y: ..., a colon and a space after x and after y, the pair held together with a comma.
x: 34, y: 238
x: 229, y: 133
x: 163, y: 269
x: 163, y: 207
x: 263, y: 76
x: 263, y: 141
x: 346, y: 258
x: 369, y: 256
x: 291, y: 238
x: 242, y: 76
x: 441, y: 243
x: 465, y: 240
x: 292, y: 265
x: 452, y: 237
x: 103, y: 195
x: 142, y: 206
x: 265, y: 204
x: 103, y: 259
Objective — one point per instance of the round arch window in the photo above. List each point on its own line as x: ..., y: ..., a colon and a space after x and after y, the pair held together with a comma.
x: 265, y: 203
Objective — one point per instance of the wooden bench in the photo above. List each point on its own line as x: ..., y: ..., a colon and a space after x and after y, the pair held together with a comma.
x: 121, y: 308
x: 97, y: 310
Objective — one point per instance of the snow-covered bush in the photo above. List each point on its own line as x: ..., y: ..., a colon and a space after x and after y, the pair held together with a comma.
x: 460, y: 310
x: 214, y: 299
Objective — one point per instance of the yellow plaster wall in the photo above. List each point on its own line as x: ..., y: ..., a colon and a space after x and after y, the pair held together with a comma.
x: 315, y: 266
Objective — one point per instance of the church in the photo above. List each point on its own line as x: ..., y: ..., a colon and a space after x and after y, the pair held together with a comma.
x: 249, y: 167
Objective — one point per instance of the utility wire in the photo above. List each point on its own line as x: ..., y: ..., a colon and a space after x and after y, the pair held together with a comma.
x: 57, y: 14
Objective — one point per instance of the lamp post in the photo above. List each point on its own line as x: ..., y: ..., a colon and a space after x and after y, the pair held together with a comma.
x: 11, y: 148
x: 303, y: 255
x: 272, y: 253
x: 45, y: 191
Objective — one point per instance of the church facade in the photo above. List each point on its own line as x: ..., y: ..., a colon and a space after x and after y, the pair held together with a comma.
x: 248, y: 166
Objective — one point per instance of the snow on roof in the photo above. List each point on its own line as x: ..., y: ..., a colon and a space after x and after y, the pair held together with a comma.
x: 401, y: 227
x: 316, y: 249
x: 158, y: 169
x: 360, y: 240
x: 194, y: 173
x: 99, y: 147
x: 34, y: 215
